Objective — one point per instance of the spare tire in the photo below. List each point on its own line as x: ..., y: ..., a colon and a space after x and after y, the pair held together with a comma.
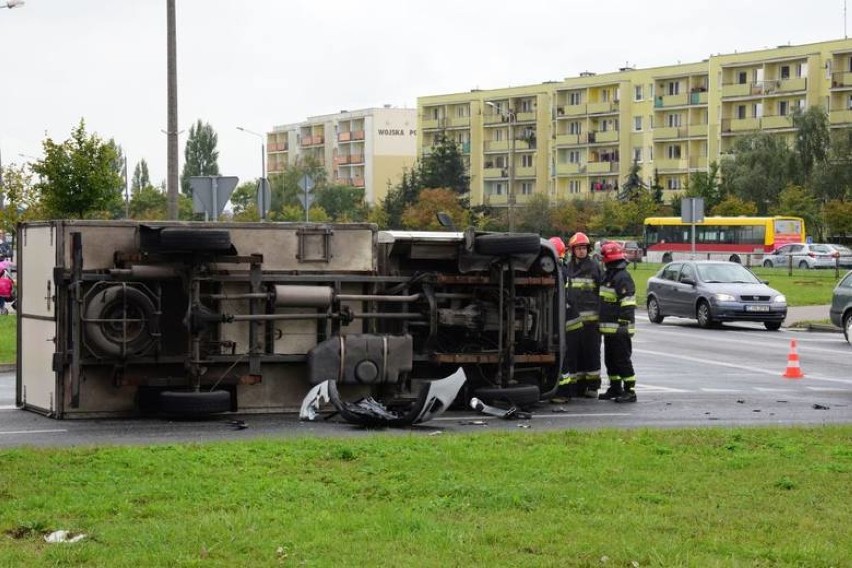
x: 123, y: 321
x: 501, y: 244
x: 173, y: 239
x: 194, y: 403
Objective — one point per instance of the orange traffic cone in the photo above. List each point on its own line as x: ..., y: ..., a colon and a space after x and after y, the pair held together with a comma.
x: 793, y: 370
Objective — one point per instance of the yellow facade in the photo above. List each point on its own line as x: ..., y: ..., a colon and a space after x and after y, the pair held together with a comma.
x: 580, y: 137
x: 369, y: 148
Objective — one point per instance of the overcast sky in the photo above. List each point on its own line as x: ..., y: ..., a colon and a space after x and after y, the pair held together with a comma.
x: 261, y: 63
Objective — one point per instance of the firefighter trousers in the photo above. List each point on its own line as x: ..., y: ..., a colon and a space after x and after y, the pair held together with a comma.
x: 618, y: 350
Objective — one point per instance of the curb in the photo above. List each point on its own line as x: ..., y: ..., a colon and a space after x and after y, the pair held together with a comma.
x: 8, y: 368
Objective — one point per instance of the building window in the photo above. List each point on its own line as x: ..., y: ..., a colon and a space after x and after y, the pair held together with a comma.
x: 849, y: 102
x: 742, y: 77
x: 526, y: 105
x: 674, y: 152
x: 741, y: 112
x: 573, y: 156
x: 526, y: 161
x: 637, y: 154
x: 757, y: 110
x: 498, y: 189
x: 463, y: 111
x: 526, y: 188
x: 575, y: 128
x: 651, y: 153
x: 783, y: 108
x: 674, y: 87
x: 785, y: 71
x: 674, y: 120
x: 637, y: 93
x: 637, y: 123
x: 673, y: 183
x: 573, y: 98
x: 498, y: 134
x: 574, y: 186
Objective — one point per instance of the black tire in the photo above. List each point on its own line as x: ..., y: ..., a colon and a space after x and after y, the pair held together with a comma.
x: 194, y: 240
x: 768, y: 264
x: 772, y: 325
x: 654, y: 313
x: 803, y: 264
x: 113, y: 338
x: 735, y: 258
x: 847, y: 327
x: 501, y: 244
x: 519, y: 395
x: 194, y: 403
x: 667, y: 257
x: 703, y: 315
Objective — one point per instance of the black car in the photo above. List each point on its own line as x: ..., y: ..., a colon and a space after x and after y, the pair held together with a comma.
x: 713, y: 292
x: 841, y: 306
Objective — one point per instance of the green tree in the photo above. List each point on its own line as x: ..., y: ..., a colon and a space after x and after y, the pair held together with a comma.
x: 141, y: 177
x: 762, y: 166
x: 633, y: 187
x: 832, y: 180
x: 732, y: 206
x: 534, y: 217
x: 838, y: 218
x: 19, y: 200
x: 343, y: 203
x: 148, y: 203
x: 244, y: 198
x: 812, y: 138
x: 706, y: 185
x: 78, y: 178
x: 401, y: 196
x: 800, y: 201
x: 444, y: 167
x: 423, y: 214
x: 201, y: 158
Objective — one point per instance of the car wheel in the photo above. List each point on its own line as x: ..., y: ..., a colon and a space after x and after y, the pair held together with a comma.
x: 499, y: 244
x: 767, y: 264
x: 735, y: 258
x: 803, y: 264
x: 654, y: 313
x: 847, y: 327
x: 702, y: 314
x: 772, y: 325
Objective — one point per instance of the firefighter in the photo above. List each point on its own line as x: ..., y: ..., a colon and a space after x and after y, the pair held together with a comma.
x: 618, y: 324
x: 581, y: 372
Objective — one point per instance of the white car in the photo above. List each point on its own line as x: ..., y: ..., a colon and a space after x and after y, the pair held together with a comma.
x: 816, y: 255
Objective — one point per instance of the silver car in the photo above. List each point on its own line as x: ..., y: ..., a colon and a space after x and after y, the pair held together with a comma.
x: 815, y: 255
x: 713, y: 292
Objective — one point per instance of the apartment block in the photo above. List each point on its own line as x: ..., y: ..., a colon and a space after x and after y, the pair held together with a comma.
x: 581, y: 136
x: 369, y: 148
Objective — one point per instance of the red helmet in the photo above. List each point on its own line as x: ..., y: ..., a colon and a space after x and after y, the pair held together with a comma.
x: 578, y: 240
x: 559, y: 245
x: 611, y: 251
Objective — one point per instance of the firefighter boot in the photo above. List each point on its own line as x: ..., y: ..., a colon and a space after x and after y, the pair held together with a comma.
x: 615, y: 390
x: 629, y: 394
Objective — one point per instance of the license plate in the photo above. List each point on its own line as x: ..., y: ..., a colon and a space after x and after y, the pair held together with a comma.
x: 757, y: 308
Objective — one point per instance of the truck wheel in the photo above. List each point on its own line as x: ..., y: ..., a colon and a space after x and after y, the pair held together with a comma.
x: 500, y: 244
x: 194, y: 240
x: 194, y: 403
x: 114, y: 335
x: 519, y: 395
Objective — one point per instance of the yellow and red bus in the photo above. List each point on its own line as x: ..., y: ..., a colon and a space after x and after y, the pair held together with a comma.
x: 720, y: 237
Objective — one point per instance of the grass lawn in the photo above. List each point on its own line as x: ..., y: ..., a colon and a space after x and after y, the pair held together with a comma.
x: 714, y: 497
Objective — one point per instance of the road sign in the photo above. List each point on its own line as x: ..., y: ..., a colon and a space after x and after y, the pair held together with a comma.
x: 211, y: 193
x: 264, y: 197
x: 306, y: 198
x: 692, y: 209
x: 306, y: 183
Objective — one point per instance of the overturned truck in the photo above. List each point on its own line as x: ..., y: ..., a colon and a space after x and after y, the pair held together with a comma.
x: 120, y: 318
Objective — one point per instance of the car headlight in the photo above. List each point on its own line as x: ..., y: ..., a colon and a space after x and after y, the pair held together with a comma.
x: 780, y: 299
x: 725, y: 298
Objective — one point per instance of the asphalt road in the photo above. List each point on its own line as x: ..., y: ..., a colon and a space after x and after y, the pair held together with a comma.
x: 688, y: 377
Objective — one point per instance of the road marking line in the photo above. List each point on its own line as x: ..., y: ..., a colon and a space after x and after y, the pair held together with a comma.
x: 825, y: 389
x: 17, y: 432
x: 736, y: 366
x: 541, y: 414
x: 772, y: 389
x: 8, y: 407
x: 657, y: 388
x: 721, y: 390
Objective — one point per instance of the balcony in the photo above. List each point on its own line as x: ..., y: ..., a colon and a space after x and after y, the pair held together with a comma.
x: 358, y: 182
x: 459, y: 122
x: 344, y: 137
x: 792, y: 85
x: 356, y: 159
x: 602, y: 108
x: 841, y: 79
x: 525, y: 172
x: 698, y: 163
x: 357, y: 135
x: 575, y: 110
x: 671, y: 100
x: 606, y: 136
x: 495, y: 173
x: 775, y: 122
x: 698, y: 98
x: 840, y: 117
x: 312, y: 140
x: 497, y: 146
x: 741, y: 124
x: 601, y: 167
x: 736, y: 90
x: 672, y: 165
x: 525, y: 116
x: 341, y: 160
x: 697, y: 131
x: 343, y: 181
x: 465, y: 148
x: 280, y: 147
x: 669, y: 133
x: 570, y: 139
x: 495, y: 118
x: 568, y: 169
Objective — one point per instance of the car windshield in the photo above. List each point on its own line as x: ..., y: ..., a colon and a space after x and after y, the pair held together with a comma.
x: 725, y: 273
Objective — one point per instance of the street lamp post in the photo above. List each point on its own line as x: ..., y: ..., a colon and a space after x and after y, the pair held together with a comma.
x: 262, y: 185
x: 510, y: 198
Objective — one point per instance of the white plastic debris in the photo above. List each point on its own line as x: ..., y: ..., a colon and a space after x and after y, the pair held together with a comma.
x: 63, y: 536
